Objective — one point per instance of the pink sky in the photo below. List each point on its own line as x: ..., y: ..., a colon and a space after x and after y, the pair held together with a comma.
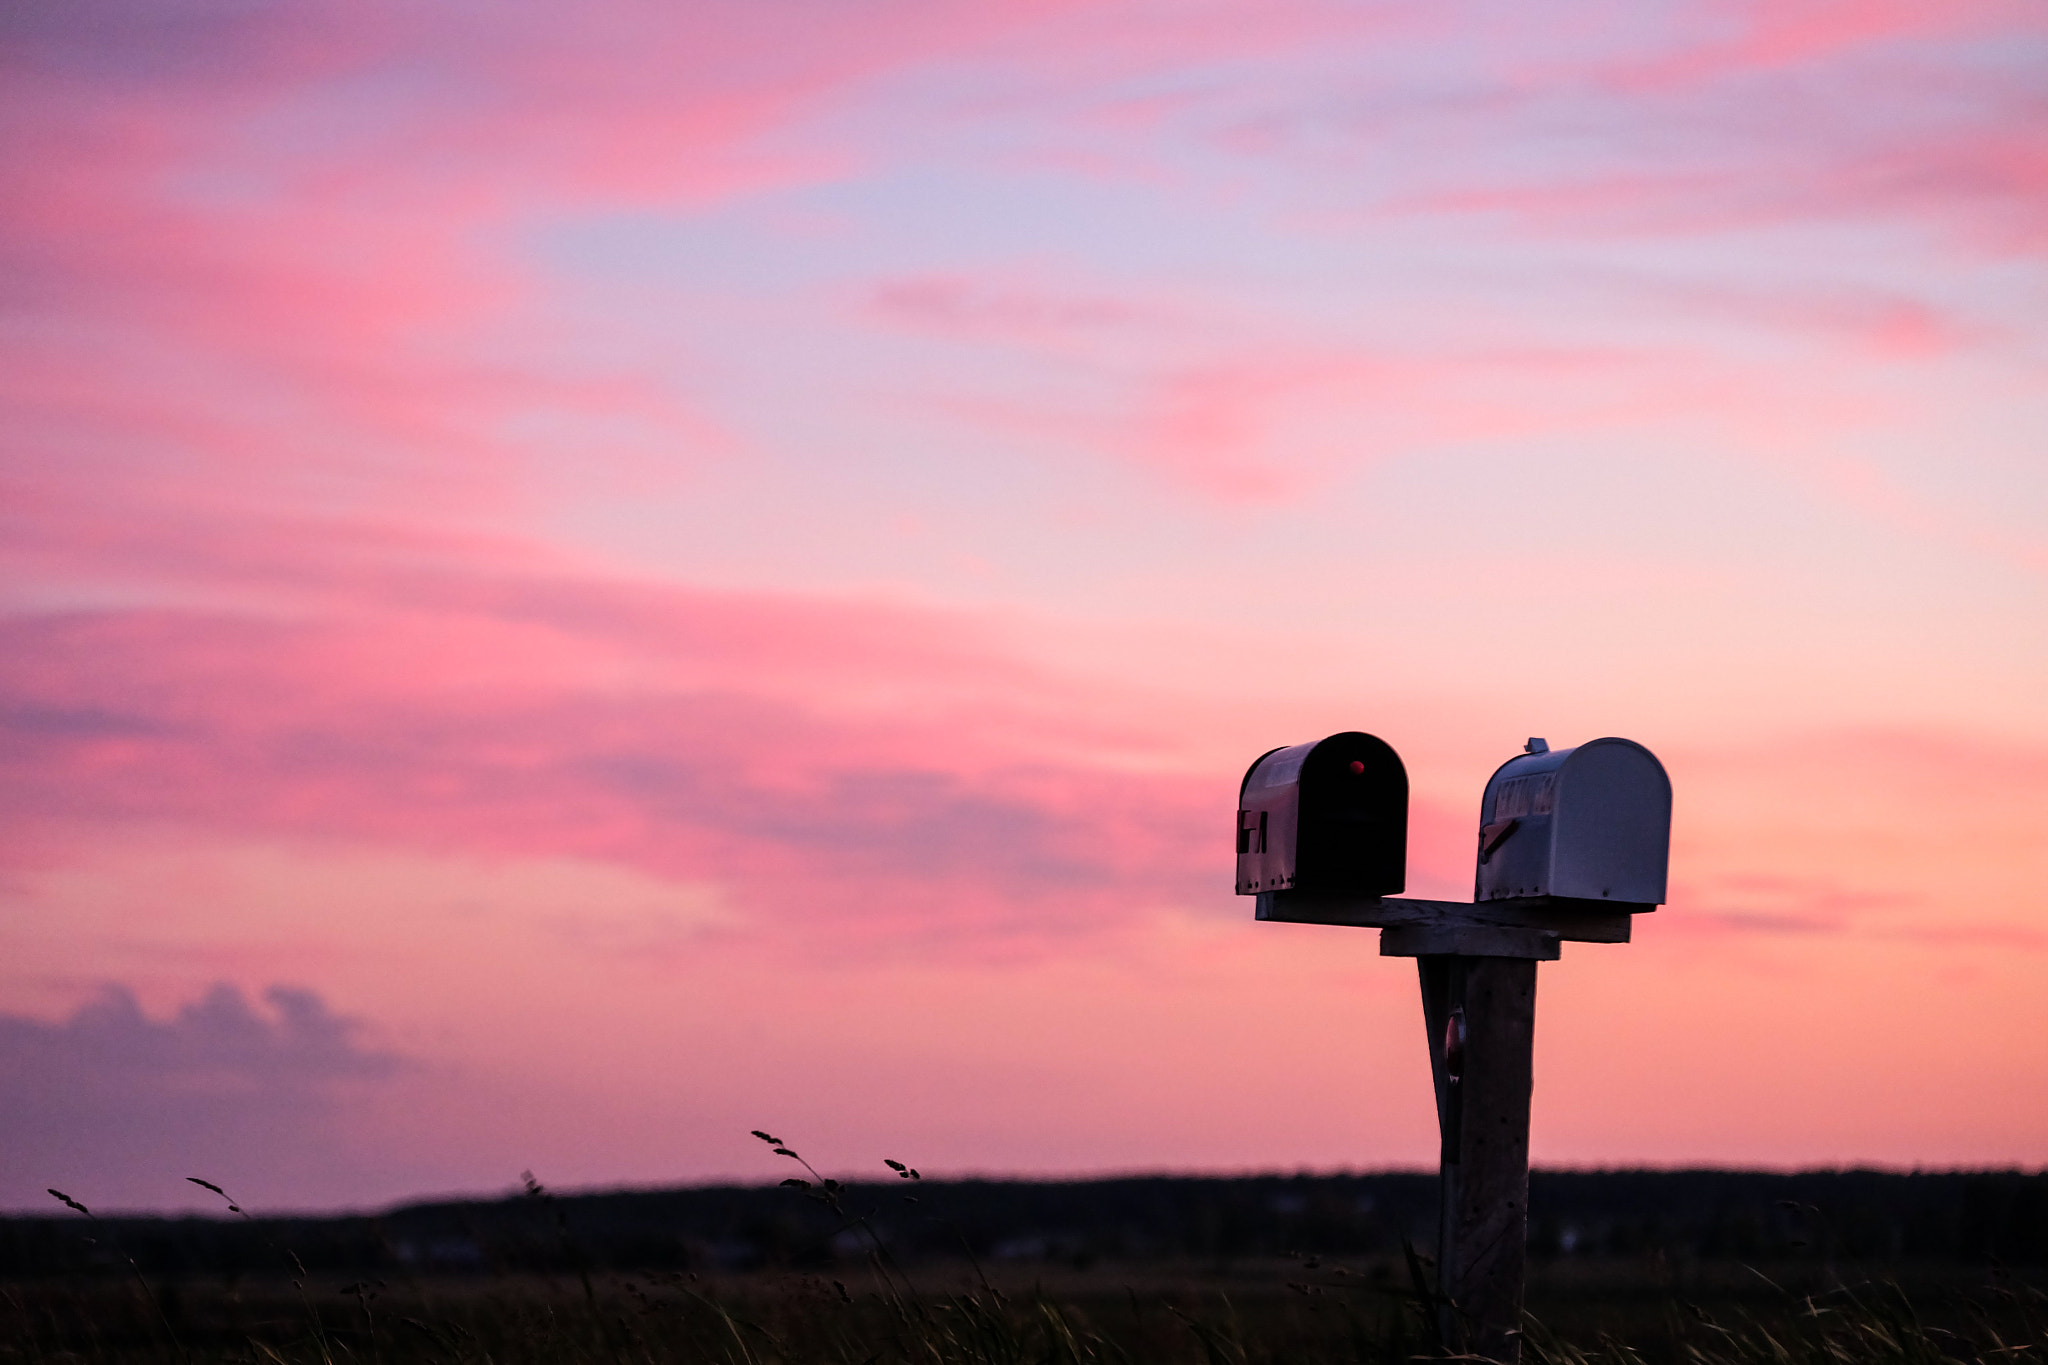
x: 574, y: 582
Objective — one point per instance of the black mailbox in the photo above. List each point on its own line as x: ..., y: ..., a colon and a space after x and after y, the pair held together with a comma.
x: 1327, y: 816
x: 1587, y: 823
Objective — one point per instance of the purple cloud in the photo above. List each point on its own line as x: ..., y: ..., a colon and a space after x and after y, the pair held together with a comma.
x: 117, y: 1107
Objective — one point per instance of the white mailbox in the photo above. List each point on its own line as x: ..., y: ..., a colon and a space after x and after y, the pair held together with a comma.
x: 1588, y: 823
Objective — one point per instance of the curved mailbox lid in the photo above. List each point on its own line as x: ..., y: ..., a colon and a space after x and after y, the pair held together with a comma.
x: 1332, y: 815
x: 1589, y: 823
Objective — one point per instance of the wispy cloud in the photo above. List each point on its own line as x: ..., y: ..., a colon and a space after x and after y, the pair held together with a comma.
x: 857, y: 770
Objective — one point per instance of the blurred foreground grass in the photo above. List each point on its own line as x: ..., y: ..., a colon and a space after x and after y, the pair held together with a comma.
x: 862, y: 1287
x: 1300, y: 1310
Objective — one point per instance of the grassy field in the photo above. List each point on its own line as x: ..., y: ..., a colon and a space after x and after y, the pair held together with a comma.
x: 1632, y: 1268
x: 1306, y: 1309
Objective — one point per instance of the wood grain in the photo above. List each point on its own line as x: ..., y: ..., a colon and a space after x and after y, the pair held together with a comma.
x: 1483, y: 1111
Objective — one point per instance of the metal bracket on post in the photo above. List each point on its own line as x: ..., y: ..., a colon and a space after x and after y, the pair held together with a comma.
x: 1443, y: 1019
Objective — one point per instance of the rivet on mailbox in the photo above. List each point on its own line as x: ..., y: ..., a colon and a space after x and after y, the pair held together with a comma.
x: 1328, y: 816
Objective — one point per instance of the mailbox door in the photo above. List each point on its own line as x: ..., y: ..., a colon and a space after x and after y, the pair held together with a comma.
x: 1353, y: 818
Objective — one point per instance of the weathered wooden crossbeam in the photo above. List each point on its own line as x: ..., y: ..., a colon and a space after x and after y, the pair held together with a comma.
x: 1528, y: 926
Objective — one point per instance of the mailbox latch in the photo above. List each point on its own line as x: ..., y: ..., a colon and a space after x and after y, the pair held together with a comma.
x: 1251, y: 831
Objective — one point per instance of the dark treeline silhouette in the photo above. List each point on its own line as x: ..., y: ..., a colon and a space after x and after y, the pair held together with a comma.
x: 1964, y: 1218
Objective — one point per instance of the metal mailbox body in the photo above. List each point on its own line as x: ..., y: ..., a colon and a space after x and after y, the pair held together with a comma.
x: 1587, y: 823
x: 1327, y: 816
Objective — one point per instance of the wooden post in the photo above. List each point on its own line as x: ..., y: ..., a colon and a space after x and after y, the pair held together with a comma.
x: 1481, y: 1017
x: 1478, y: 967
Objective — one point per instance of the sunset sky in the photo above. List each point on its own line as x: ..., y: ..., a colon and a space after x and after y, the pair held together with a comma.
x: 580, y: 579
